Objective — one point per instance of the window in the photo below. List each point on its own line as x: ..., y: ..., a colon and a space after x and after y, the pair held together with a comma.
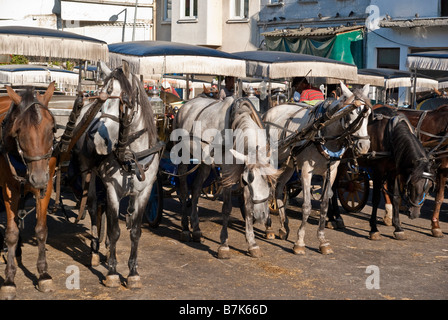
x: 443, y: 8
x: 239, y: 9
x: 275, y: 2
x: 167, y: 10
x: 189, y: 9
x: 388, y: 58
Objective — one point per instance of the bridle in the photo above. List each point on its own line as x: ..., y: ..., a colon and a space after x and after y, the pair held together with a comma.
x: 26, y: 159
x: 405, y: 194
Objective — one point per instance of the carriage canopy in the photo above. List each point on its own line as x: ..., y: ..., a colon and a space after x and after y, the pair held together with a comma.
x: 276, y: 64
x: 50, y: 43
x: 165, y: 57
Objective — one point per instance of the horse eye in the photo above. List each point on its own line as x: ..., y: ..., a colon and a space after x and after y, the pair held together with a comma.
x: 250, y: 177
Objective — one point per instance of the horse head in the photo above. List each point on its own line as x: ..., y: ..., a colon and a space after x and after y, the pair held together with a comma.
x: 118, y: 90
x: 356, y: 122
x: 258, y: 181
x: 29, y: 132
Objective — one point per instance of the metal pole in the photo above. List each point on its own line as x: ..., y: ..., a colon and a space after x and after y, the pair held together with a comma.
x: 414, y: 94
x: 135, y: 19
x: 124, y: 23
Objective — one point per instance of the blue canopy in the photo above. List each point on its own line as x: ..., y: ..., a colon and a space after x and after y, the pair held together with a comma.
x: 278, y: 64
x: 161, y: 57
x: 50, y: 43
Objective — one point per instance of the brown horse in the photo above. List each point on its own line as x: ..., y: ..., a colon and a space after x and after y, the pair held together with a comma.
x: 432, y: 129
x: 26, y: 166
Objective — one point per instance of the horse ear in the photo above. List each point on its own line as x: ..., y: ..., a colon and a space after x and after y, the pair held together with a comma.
x: 205, y: 89
x: 345, y: 91
x: 104, y: 69
x: 240, y: 158
x: 126, y: 68
x: 365, y: 90
x: 46, y: 97
x: 13, y: 95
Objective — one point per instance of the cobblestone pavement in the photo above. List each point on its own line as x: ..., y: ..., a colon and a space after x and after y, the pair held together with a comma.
x: 359, y: 269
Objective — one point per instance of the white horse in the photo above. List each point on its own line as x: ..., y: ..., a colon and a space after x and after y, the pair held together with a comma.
x: 130, y: 171
x: 320, y: 156
x: 227, y: 134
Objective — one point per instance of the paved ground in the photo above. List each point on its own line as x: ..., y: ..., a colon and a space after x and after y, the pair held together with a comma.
x: 170, y: 270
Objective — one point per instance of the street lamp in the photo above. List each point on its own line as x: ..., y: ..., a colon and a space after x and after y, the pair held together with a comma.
x: 115, y: 18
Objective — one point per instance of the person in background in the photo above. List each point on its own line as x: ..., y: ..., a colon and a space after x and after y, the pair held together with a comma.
x: 229, y: 88
x: 308, y: 93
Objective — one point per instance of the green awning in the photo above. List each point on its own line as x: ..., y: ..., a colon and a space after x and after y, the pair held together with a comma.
x: 345, y: 46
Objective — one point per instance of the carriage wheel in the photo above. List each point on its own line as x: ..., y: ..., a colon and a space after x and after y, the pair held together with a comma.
x: 353, y: 190
x: 154, y: 208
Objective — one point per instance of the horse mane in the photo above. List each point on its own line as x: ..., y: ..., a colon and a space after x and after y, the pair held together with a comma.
x: 137, y: 89
x: 244, y: 122
x: 407, y: 150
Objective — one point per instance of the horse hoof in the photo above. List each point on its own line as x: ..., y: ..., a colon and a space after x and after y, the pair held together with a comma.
x: 299, y: 249
x: 112, y: 281
x: 45, y: 285
x: 270, y: 235
x: 400, y: 235
x: 133, y: 282
x: 197, y: 237
x: 95, y: 260
x: 340, y: 223
x: 282, y: 234
x: 437, y: 232
x: 331, y: 225
x: 387, y: 221
x: 255, y: 252
x: 223, y: 252
x: 185, y: 236
x: 325, y: 249
x: 8, y: 292
x: 374, y: 236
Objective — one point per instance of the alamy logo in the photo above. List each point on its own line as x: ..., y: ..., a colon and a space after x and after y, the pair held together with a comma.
x: 373, y: 20
x: 373, y: 281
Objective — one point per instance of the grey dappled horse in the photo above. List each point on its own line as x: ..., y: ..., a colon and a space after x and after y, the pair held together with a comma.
x: 312, y: 157
x: 99, y: 152
x: 230, y: 135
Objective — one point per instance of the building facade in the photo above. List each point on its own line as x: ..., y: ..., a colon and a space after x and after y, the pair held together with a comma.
x: 107, y: 20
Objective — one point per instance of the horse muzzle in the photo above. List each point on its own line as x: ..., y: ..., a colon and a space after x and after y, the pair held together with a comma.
x: 362, y: 145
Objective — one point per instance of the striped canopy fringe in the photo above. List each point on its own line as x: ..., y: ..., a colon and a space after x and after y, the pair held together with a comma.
x: 180, y: 64
x: 295, y: 69
x: 53, y: 48
x: 407, y: 82
x: 427, y: 63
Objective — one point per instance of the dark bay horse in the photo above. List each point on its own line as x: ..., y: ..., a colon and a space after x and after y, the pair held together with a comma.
x: 397, y: 158
x: 432, y: 130
x: 26, y: 166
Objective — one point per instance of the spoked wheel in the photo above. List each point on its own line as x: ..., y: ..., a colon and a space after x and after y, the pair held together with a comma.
x: 353, y: 190
x: 154, y: 208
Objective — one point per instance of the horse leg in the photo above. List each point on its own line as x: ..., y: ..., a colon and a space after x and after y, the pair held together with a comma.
x: 223, y: 250
x: 324, y: 246
x: 376, y: 196
x: 133, y: 279
x: 299, y: 246
x: 335, y: 220
x: 399, y: 232
x: 254, y: 249
x: 435, y: 227
x: 388, y: 206
x: 45, y: 282
x: 8, y: 290
x: 113, y: 233
x: 183, y: 198
x: 202, y: 174
x: 283, y: 232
